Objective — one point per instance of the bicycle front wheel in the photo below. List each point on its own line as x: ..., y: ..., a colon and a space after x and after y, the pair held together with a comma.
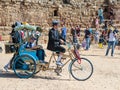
x: 82, y: 71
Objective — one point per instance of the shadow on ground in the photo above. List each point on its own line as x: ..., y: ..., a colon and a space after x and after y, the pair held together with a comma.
x: 91, y: 55
x: 53, y: 78
x: 7, y: 75
x: 12, y: 75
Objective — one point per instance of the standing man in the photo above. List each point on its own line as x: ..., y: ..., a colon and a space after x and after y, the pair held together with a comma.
x: 78, y: 30
x: 111, y: 42
x: 100, y: 15
x: 74, y: 34
x: 91, y: 34
x: 96, y: 36
x: 64, y: 32
x: 55, y: 39
x: 87, y: 38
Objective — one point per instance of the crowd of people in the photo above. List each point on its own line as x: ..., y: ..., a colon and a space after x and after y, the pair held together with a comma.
x: 105, y: 33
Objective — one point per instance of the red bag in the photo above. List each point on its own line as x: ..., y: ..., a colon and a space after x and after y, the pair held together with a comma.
x: 77, y: 55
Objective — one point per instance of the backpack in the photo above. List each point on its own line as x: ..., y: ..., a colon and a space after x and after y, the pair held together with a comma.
x: 16, y: 37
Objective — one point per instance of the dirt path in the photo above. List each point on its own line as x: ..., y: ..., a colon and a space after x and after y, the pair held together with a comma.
x: 106, y: 75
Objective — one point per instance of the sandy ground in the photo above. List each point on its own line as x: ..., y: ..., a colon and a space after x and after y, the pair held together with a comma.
x: 106, y: 75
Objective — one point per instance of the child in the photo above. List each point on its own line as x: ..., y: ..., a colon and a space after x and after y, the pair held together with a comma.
x: 101, y: 40
x: 97, y: 22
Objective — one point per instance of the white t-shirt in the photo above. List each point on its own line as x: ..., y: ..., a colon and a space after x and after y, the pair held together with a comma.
x: 97, y: 34
x: 111, y: 36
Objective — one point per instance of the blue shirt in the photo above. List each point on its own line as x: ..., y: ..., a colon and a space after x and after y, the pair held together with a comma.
x: 90, y: 30
x: 64, y: 31
x: 100, y: 12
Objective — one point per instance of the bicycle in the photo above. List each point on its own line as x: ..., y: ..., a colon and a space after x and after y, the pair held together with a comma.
x: 26, y: 64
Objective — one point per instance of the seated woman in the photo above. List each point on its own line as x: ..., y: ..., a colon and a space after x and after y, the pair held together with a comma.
x: 40, y: 53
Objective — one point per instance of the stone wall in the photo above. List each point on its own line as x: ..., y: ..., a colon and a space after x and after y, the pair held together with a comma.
x: 42, y: 12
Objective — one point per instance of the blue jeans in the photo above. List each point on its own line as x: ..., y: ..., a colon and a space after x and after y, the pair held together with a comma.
x: 87, y: 43
x: 64, y: 37
x: 75, y: 39
x: 96, y: 39
x: 111, y: 43
x: 101, y: 19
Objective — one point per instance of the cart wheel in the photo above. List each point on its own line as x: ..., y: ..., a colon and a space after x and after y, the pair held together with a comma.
x: 24, y: 66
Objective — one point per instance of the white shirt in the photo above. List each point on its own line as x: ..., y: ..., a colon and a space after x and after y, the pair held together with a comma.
x: 111, y: 36
x: 96, y: 33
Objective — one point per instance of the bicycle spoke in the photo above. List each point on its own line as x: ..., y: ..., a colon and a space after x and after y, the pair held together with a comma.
x: 79, y: 68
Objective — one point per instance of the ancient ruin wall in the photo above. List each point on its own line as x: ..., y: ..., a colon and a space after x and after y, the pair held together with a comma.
x: 42, y: 12
x: 39, y: 11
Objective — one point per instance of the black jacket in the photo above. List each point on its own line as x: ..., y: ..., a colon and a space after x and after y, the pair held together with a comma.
x: 54, y: 39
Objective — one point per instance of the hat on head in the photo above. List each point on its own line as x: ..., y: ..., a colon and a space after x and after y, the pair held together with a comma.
x: 55, y: 22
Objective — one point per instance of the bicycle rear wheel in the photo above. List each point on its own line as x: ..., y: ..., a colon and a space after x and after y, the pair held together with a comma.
x: 24, y: 66
x: 82, y: 71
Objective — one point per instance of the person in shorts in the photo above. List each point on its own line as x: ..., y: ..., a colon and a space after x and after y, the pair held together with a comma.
x: 55, y: 40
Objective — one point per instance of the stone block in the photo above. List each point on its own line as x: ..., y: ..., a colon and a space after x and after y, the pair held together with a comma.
x: 6, y: 38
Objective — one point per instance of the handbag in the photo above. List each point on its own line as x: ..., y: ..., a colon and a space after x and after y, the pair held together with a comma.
x: 84, y: 44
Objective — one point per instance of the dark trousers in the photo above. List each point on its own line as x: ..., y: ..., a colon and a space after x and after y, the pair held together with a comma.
x: 59, y: 49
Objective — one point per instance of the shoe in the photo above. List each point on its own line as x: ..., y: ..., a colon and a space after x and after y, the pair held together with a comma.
x: 112, y: 55
x: 106, y: 54
x: 59, y: 63
x: 86, y: 49
x: 6, y: 68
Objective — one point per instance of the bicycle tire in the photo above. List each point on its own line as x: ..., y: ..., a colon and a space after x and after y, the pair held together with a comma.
x: 81, y: 68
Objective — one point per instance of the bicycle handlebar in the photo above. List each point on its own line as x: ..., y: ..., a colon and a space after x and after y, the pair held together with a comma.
x: 69, y: 45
